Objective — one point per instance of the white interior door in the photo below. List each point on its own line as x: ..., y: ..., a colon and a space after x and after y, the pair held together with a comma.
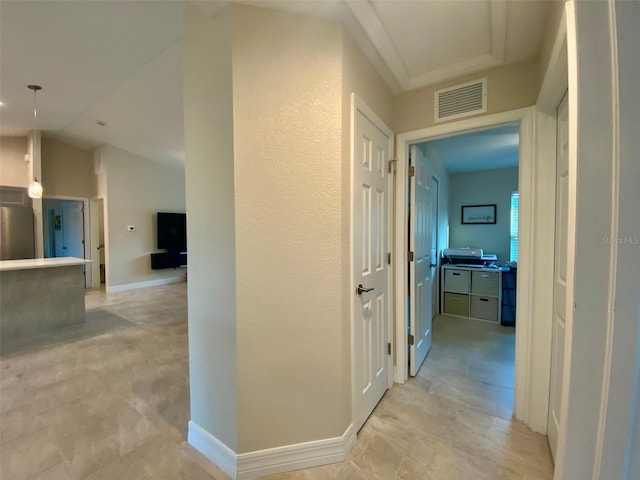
x: 370, y: 250
x: 434, y: 248
x: 559, y: 275
x: 72, y: 229
x: 420, y: 274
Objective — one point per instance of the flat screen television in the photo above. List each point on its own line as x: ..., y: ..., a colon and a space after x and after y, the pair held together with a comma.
x: 172, y: 231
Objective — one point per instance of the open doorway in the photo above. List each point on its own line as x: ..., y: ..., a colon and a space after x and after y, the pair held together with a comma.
x: 64, y: 229
x: 529, y: 355
x: 99, y: 265
x: 473, y: 334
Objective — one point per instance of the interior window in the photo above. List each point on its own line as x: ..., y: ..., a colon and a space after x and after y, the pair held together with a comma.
x: 513, y: 248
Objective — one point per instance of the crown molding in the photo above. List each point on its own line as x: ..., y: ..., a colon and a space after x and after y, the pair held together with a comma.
x: 372, y: 25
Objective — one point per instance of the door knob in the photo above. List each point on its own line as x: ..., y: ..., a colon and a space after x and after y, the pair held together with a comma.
x: 360, y: 290
x: 433, y: 265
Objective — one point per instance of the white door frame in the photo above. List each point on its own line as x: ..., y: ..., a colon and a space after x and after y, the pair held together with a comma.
x: 531, y: 350
x: 357, y: 105
x: 95, y: 240
x: 86, y: 218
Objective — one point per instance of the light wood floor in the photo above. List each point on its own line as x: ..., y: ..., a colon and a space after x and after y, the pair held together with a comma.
x: 112, y: 402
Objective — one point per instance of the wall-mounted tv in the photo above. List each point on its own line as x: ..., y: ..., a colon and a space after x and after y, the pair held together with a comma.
x: 172, y: 231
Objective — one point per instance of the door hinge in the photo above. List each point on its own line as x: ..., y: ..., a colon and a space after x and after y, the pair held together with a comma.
x: 411, y: 256
x: 389, y: 258
x: 411, y: 339
x: 412, y: 171
x: 392, y: 165
x: 389, y: 348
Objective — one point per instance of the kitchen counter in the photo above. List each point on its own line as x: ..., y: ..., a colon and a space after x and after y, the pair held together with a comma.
x: 40, y: 295
x: 31, y: 263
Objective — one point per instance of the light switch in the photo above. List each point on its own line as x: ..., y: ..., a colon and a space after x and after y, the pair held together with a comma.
x: 131, y: 228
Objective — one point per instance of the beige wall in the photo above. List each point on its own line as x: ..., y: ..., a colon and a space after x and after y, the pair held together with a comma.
x: 293, y: 385
x: 14, y: 171
x: 509, y: 87
x: 482, y: 188
x: 67, y: 170
x: 137, y: 188
x: 209, y: 167
x: 551, y: 30
x: 277, y: 223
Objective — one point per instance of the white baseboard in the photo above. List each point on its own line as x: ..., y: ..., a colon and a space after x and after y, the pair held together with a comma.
x: 212, y: 448
x: 149, y: 283
x: 252, y: 465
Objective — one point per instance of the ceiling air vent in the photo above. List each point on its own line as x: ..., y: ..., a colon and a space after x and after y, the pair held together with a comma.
x: 461, y: 100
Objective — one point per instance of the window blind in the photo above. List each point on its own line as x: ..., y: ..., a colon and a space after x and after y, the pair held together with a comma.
x: 513, y: 248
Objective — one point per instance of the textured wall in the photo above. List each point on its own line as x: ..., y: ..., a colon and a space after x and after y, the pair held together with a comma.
x: 508, y: 87
x: 67, y: 170
x: 293, y: 385
x: 481, y: 188
x: 137, y: 188
x: 209, y: 166
x: 14, y: 171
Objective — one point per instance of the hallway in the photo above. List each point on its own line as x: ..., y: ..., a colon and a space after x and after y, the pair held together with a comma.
x: 452, y: 421
x: 114, y: 403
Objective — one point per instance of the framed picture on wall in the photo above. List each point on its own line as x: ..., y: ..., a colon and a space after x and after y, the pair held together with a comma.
x: 478, y: 214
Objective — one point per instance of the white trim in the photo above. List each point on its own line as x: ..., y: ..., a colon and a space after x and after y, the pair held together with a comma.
x: 529, y: 348
x: 294, y: 457
x: 271, y: 461
x: 541, y: 287
x: 357, y: 105
x: 212, y: 448
x: 554, y: 86
x: 368, y: 19
x: 149, y: 283
x: 370, y: 22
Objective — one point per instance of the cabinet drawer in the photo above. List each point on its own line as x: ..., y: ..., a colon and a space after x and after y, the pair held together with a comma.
x: 456, y: 280
x: 456, y: 304
x: 485, y: 283
x: 485, y: 308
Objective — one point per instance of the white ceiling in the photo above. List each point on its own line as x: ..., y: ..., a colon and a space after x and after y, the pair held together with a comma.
x: 479, y: 150
x: 120, y: 62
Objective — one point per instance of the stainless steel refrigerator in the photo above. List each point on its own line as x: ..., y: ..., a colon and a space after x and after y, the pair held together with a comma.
x: 16, y: 226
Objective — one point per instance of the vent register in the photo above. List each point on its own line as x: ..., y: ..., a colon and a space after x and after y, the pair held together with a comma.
x: 461, y: 100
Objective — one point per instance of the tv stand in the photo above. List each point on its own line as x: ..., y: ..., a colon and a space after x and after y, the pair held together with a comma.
x: 160, y: 261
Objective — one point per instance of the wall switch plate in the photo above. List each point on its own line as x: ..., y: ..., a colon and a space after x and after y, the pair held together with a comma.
x: 131, y: 228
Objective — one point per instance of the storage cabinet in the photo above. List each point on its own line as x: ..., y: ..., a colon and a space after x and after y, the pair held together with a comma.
x: 471, y: 292
x: 509, y: 280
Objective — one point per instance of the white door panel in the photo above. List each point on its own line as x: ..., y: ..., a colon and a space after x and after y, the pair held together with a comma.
x: 434, y: 249
x: 420, y: 272
x: 72, y: 229
x: 371, y: 246
x: 560, y: 275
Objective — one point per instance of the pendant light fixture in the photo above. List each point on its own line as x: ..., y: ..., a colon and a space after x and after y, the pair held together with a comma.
x: 35, y: 188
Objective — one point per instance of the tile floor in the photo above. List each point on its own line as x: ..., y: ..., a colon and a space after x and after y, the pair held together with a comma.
x: 114, y: 404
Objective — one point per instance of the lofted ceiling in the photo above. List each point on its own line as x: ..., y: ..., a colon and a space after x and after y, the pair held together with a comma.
x: 480, y: 150
x: 120, y: 62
